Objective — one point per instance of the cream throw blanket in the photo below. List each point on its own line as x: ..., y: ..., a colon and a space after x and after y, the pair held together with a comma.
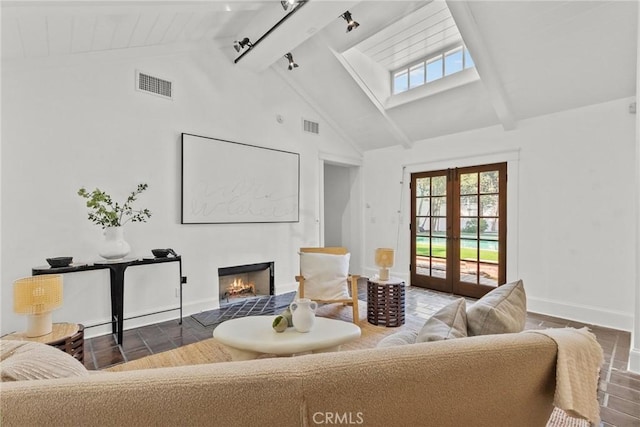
x: 577, y: 370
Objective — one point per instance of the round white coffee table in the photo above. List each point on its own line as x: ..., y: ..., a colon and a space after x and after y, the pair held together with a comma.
x: 248, y: 337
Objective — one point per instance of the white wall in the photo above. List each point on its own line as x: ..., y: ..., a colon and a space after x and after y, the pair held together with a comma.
x: 570, y: 205
x: 77, y: 121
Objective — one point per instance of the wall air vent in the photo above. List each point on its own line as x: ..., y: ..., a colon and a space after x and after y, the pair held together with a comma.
x: 153, y: 85
x: 310, y: 127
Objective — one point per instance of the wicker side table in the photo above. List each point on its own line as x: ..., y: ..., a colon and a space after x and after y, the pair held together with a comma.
x: 385, y: 302
x: 68, y: 337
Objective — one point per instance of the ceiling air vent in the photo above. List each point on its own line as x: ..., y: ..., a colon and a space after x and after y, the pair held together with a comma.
x: 310, y: 127
x: 153, y: 85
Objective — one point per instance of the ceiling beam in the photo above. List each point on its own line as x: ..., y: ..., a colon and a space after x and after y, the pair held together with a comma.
x: 401, y: 137
x: 466, y: 22
x: 290, y: 33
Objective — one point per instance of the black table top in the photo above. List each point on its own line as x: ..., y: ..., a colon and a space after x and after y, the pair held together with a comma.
x: 100, y: 264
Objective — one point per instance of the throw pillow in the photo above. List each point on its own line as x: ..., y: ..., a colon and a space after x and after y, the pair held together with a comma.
x: 503, y: 310
x: 25, y: 360
x: 398, y: 338
x: 325, y: 275
x: 447, y: 323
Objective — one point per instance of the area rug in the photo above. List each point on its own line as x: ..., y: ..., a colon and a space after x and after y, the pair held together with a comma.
x: 211, y: 351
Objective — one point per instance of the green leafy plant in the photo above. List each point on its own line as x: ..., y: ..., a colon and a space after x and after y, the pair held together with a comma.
x: 106, y: 213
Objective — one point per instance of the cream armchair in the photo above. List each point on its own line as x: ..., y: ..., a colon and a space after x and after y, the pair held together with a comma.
x: 324, y: 277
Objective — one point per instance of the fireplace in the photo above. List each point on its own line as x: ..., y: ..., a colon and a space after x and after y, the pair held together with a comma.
x: 241, y: 282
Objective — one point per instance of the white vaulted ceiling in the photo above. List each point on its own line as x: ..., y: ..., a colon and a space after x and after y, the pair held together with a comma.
x: 39, y: 29
x: 427, y: 30
x: 532, y: 57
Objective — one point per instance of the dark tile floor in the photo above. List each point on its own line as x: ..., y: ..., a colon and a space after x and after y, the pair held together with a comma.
x: 619, y: 392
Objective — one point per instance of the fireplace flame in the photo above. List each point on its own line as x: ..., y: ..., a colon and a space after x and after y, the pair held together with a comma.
x: 238, y: 287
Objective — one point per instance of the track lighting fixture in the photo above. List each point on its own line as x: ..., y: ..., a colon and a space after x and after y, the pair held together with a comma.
x: 292, y: 64
x: 287, y: 3
x: 239, y: 45
x: 291, y: 6
x: 351, y: 24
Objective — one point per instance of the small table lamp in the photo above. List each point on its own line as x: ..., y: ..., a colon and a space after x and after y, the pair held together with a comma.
x: 36, y: 297
x: 384, y: 260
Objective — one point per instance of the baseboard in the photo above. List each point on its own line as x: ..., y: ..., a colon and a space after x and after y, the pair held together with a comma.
x: 581, y: 313
x: 187, y: 310
x: 634, y: 360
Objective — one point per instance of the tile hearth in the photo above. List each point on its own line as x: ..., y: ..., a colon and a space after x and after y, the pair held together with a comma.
x: 619, y: 391
x: 259, y: 306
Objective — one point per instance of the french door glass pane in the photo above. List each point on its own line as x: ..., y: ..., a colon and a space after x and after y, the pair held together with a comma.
x: 439, y: 227
x: 438, y: 247
x: 439, y: 268
x: 468, y: 183
x: 489, y: 182
x: 469, y: 227
x: 423, y: 187
x: 423, y: 266
x: 468, y: 271
x: 439, y: 186
x: 469, y: 249
x: 489, y: 228
x: 422, y: 245
x: 489, y: 274
x: 489, y: 250
x: 424, y: 225
x: 424, y: 206
x: 439, y: 206
x: 489, y: 205
x: 468, y: 205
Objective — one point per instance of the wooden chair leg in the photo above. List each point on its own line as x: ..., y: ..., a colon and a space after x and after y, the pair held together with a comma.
x: 300, y: 280
x: 356, y: 312
x: 354, y: 297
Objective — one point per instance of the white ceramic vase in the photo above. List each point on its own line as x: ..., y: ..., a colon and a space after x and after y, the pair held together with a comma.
x: 303, y: 313
x: 114, y: 246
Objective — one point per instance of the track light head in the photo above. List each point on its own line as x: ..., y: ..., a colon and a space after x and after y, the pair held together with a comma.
x: 239, y: 45
x: 292, y: 63
x: 351, y: 24
x: 287, y: 3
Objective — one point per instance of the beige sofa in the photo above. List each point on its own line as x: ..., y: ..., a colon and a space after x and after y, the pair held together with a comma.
x: 493, y: 380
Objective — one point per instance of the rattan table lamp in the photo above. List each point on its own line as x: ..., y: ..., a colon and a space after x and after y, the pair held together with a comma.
x: 36, y: 297
x: 384, y: 260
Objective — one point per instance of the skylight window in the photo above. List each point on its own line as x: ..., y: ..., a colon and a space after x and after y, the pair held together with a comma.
x: 434, y: 69
x: 416, y: 75
x: 400, y: 81
x: 453, y: 61
x: 431, y: 69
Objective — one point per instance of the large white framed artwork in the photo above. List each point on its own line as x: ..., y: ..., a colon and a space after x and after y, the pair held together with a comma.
x: 230, y: 182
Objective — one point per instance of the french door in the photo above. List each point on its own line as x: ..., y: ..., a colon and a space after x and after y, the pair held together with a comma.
x: 458, y: 229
